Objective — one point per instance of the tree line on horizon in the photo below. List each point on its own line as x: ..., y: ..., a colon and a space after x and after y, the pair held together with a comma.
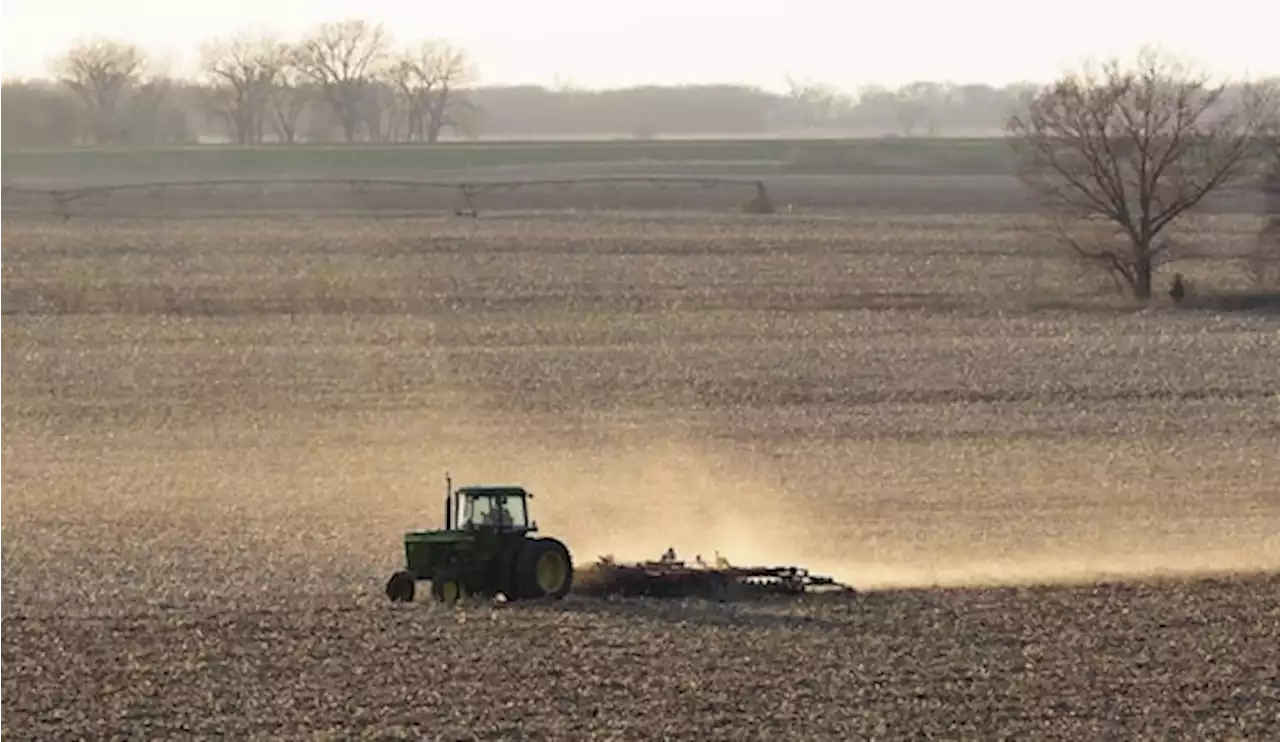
x: 349, y: 81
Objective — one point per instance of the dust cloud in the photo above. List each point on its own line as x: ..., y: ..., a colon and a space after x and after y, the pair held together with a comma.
x: 632, y: 494
x: 319, y: 501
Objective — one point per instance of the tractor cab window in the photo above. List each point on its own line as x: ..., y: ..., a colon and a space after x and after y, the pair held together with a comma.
x: 495, y: 511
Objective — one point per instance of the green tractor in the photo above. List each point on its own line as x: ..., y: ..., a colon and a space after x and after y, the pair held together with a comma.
x: 485, y: 549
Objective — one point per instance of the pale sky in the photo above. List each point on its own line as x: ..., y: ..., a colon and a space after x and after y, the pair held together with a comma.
x: 605, y: 44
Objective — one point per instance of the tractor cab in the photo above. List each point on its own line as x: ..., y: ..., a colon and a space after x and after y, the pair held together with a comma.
x: 498, y: 508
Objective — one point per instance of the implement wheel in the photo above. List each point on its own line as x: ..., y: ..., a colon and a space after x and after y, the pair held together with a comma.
x: 400, y: 587
x: 544, y: 569
x: 448, y: 587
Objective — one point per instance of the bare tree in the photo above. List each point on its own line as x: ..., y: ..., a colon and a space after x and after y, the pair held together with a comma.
x: 450, y: 107
x: 919, y: 104
x: 410, y: 74
x: 1133, y: 149
x: 382, y: 117
x: 813, y: 104
x: 148, y: 117
x: 290, y: 93
x: 429, y: 79
x: 101, y: 73
x: 341, y: 59
x: 242, y: 72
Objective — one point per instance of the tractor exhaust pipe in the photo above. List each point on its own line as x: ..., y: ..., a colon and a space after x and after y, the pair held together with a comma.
x: 448, y: 502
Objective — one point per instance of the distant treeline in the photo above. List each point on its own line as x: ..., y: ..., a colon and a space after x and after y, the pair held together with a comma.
x: 348, y: 82
x: 42, y: 114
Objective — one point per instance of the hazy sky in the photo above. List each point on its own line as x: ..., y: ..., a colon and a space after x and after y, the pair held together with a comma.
x: 597, y: 44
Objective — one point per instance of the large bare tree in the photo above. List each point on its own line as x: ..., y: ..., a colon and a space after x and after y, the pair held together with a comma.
x: 101, y: 72
x: 242, y: 72
x: 341, y: 59
x: 1130, y: 149
x: 429, y: 78
x: 450, y: 108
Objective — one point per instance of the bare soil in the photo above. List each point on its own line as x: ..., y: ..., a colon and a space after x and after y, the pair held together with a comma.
x: 1060, y: 510
x: 1190, y: 660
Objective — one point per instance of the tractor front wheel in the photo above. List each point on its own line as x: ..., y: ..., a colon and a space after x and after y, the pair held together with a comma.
x: 544, y: 569
x: 447, y: 586
x: 400, y: 587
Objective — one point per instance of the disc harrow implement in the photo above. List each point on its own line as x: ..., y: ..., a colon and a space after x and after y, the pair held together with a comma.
x: 670, y: 577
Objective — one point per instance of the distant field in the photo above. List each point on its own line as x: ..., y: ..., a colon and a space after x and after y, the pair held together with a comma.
x: 850, y: 156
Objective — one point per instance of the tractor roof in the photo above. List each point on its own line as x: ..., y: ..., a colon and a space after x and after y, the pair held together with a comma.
x: 498, y: 489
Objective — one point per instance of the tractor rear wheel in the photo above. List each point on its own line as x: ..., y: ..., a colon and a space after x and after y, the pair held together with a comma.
x: 544, y: 569
x: 448, y: 587
x: 400, y: 587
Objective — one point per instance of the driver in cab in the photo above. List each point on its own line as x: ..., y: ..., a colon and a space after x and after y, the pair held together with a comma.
x: 498, y: 515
